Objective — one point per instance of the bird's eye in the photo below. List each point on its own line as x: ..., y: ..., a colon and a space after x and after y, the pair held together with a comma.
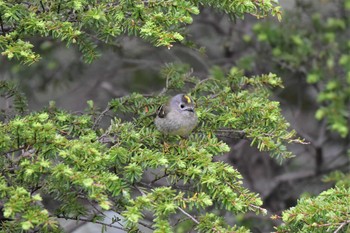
x: 182, y: 106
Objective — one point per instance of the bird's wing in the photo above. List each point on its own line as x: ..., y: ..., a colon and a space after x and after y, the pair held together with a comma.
x: 162, y: 111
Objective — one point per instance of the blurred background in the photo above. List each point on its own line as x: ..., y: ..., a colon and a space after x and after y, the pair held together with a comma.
x: 308, y: 44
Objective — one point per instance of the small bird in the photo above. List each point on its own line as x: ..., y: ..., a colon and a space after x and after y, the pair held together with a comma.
x: 177, y: 117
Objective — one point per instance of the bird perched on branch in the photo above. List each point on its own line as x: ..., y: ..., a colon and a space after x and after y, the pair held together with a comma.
x: 177, y: 117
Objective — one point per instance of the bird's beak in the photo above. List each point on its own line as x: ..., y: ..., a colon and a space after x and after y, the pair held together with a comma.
x: 190, y: 109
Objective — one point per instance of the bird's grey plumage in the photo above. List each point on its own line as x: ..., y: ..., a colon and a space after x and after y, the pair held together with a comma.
x: 177, y: 117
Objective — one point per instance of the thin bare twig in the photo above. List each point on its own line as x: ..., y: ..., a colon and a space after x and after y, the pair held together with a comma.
x: 14, y: 150
x: 140, y: 190
x: 341, y: 226
x: 165, y: 89
x: 183, y: 211
x: 107, y: 109
x: 146, y: 225
x: 93, y: 206
x: 201, y: 82
x: 92, y: 221
x: 258, y: 208
x: 159, y: 178
x: 188, y: 215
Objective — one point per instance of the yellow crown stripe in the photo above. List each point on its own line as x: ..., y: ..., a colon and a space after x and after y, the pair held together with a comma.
x: 188, y: 99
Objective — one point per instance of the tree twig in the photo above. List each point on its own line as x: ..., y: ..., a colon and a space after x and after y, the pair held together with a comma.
x: 341, y: 226
x: 14, y: 150
x: 264, y: 211
x: 2, y: 26
x: 165, y: 89
x: 140, y: 190
x: 159, y: 178
x: 92, y: 221
x: 107, y: 109
x: 93, y: 206
x: 201, y: 82
x: 42, y: 6
x: 230, y: 133
x: 188, y: 215
x: 146, y: 225
x: 179, y: 208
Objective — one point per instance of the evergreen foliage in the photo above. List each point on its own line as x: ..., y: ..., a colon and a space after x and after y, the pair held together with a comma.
x: 129, y: 167
x: 68, y: 157
x: 317, y: 50
x: 84, y: 22
x: 10, y: 93
x: 328, y: 212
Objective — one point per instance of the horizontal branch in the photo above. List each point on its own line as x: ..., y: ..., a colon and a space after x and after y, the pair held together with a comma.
x: 230, y: 133
x: 12, y: 151
x: 91, y: 221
